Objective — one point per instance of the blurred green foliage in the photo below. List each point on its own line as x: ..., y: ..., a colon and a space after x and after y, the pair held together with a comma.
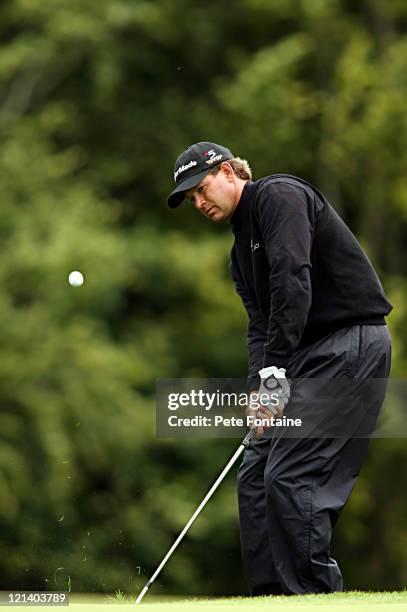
x: 96, y: 101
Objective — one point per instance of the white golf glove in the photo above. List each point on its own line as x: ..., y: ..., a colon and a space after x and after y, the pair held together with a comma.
x: 273, y: 383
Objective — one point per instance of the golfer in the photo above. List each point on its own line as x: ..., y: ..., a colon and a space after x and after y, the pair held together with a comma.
x: 316, y: 309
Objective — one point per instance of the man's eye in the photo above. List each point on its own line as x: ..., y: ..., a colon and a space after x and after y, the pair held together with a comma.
x: 201, y: 188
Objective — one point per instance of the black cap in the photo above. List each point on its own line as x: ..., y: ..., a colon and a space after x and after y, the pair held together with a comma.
x: 193, y: 165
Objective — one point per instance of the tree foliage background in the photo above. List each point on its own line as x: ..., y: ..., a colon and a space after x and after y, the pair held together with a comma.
x: 96, y: 101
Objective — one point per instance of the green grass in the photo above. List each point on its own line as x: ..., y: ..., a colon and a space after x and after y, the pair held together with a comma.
x: 338, y: 602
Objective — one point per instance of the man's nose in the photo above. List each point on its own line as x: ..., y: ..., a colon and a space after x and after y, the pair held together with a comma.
x: 199, y: 200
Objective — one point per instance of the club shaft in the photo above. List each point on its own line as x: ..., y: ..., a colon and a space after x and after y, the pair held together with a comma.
x: 213, y: 488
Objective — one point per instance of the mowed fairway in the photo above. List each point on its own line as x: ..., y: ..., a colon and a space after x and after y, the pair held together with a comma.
x: 341, y: 602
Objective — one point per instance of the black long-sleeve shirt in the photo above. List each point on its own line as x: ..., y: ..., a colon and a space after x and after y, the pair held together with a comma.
x: 299, y: 270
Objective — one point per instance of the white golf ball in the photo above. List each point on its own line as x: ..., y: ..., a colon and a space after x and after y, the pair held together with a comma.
x: 75, y: 279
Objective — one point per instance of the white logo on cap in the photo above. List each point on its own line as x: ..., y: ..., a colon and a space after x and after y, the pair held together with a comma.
x: 212, y: 160
x: 183, y: 168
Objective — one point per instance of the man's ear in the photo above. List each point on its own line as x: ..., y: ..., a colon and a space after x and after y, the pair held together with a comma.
x: 227, y: 169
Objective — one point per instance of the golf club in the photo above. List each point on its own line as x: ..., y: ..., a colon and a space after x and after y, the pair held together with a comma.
x: 244, y: 444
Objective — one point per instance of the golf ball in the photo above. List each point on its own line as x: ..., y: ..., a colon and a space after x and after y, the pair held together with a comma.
x: 75, y: 279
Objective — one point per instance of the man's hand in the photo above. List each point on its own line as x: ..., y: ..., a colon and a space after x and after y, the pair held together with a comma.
x: 269, y: 401
x: 273, y: 381
x: 263, y: 413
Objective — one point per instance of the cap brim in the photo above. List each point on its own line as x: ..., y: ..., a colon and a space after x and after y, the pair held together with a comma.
x: 178, y: 195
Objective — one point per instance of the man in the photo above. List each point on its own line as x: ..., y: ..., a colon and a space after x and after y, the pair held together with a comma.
x: 316, y: 309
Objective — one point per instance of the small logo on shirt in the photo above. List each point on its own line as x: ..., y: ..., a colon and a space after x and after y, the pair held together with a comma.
x: 255, y: 246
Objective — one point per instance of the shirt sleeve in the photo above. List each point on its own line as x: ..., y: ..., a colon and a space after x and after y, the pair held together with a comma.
x: 286, y: 222
x: 256, y: 330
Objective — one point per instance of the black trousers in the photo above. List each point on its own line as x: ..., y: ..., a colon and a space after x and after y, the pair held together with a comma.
x: 291, y: 490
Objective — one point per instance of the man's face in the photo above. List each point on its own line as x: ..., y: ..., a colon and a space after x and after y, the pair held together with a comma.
x: 215, y: 195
